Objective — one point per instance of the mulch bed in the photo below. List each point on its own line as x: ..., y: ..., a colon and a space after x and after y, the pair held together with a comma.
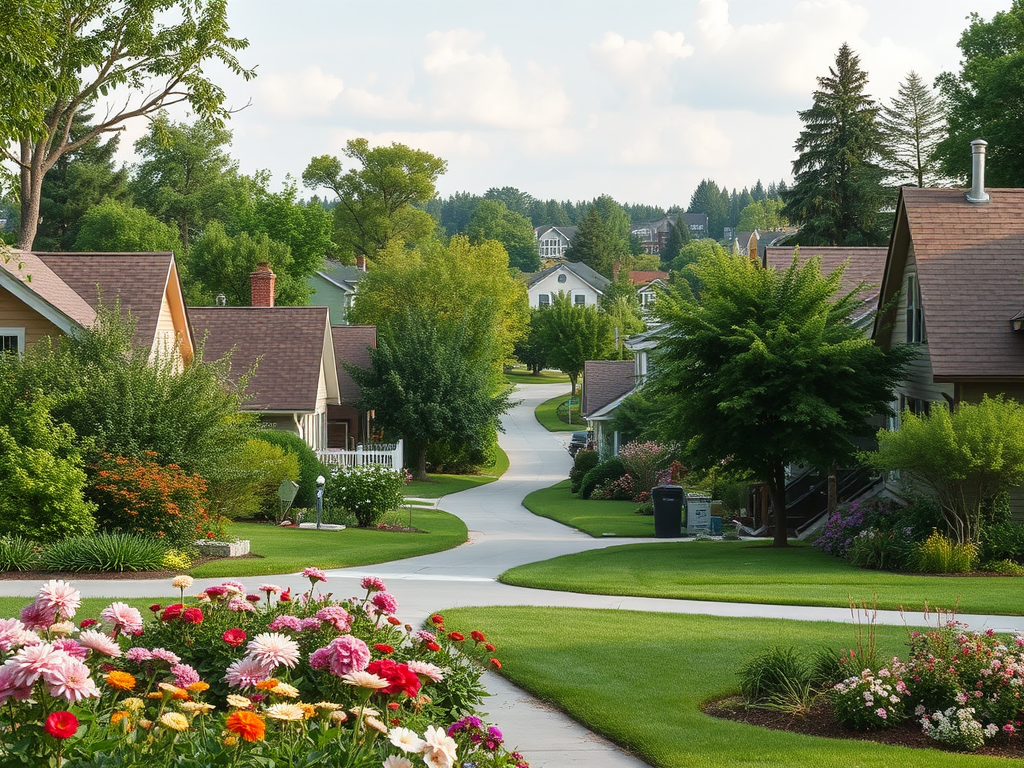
x: 819, y: 722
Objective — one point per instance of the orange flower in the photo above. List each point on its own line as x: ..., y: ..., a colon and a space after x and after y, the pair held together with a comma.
x: 121, y: 681
x: 266, y: 685
x: 247, y: 725
x: 198, y: 687
x: 120, y: 715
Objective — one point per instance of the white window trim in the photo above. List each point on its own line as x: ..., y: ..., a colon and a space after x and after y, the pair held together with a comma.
x: 19, y: 333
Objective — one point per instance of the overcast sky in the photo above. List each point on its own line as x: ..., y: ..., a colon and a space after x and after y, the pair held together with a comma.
x: 566, y: 99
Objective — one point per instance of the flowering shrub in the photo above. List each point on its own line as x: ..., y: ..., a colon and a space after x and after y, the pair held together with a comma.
x: 840, y: 529
x: 957, y: 728
x: 871, y: 700
x: 368, y: 492
x: 619, y: 489
x: 142, y: 496
x: 643, y: 461
x: 882, y: 550
x: 233, y: 677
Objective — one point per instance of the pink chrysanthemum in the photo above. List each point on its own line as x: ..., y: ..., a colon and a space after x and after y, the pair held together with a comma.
x: 184, y: 675
x: 124, y: 617
x: 246, y: 672
x: 339, y: 618
x: 59, y: 597
x: 164, y: 655
x: 426, y: 669
x: 342, y: 656
x: 70, y: 680
x: 30, y: 662
x: 310, y: 622
x: 8, y: 690
x: 314, y: 574
x: 285, y: 621
x: 241, y: 604
x: 37, y: 616
x: 426, y: 637
x: 12, y: 634
x: 373, y: 584
x: 270, y: 589
x: 274, y: 649
x: 234, y: 587
x: 100, y: 643
x: 71, y: 647
x: 138, y: 655
x: 386, y: 602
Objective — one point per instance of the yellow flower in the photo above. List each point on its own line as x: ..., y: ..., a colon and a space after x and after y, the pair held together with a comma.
x: 329, y: 706
x: 284, y: 689
x: 309, y: 709
x: 173, y: 691
x: 133, y: 703
x: 120, y: 681
x: 182, y: 582
x: 285, y: 712
x: 268, y: 685
x: 174, y: 720
x: 230, y: 741
x: 198, y: 687
x: 196, y: 707
x: 238, y: 702
x: 120, y: 715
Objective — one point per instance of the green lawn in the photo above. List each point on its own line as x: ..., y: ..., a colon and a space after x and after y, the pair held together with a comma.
x: 288, y: 550
x: 523, y: 376
x: 640, y: 678
x: 442, y: 485
x: 548, y: 416
x: 598, y: 518
x: 754, y: 572
x: 90, y: 608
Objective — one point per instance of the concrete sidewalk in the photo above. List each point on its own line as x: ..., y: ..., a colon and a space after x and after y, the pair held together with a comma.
x: 503, y: 534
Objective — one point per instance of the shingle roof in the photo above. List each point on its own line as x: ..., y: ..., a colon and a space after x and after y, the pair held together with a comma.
x: 581, y: 270
x: 644, y: 276
x: 137, y: 280
x: 288, y: 341
x: 605, y: 381
x: 866, y: 265
x: 352, y: 345
x: 48, y: 286
x: 341, y: 273
x: 970, y: 265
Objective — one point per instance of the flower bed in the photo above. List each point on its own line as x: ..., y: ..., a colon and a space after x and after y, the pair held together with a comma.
x: 236, y: 677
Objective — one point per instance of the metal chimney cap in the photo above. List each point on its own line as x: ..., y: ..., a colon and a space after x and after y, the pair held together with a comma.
x: 978, y: 193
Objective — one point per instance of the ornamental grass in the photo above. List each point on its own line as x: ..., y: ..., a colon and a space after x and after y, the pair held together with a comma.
x: 235, y: 676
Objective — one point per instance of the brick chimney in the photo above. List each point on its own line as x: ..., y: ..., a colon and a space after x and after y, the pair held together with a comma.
x: 262, y: 282
x: 361, y: 263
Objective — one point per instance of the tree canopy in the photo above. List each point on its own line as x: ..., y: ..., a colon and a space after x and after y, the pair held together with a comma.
x: 912, y: 126
x: 114, y: 226
x: 837, y: 196
x: 572, y: 334
x: 492, y: 220
x: 376, y: 199
x: 150, y: 54
x: 765, y: 369
x: 595, y: 245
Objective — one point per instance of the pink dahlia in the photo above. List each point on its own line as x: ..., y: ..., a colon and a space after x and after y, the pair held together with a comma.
x: 342, y: 656
x: 246, y: 672
x: 270, y: 589
x: 184, y: 675
x: 71, y: 647
x: 100, y: 643
x: 339, y: 618
x: 274, y: 649
x: 70, y: 680
x: 386, y: 602
x: 373, y: 584
x: 30, y: 662
x: 310, y: 622
x: 59, y: 597
x: 426, y: 669
x: 12, y: 634
x: 37, y: 616
x: 8, y: 689
x: 241, y: 604
x: 285, y: 621
x: 124, y: 617
x: 314, y: 574
x: 164, y: 655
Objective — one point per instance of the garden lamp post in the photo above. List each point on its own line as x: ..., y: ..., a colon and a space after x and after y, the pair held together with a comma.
x: 320, y: 481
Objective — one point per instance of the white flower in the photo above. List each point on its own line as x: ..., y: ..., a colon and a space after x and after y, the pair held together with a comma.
x: 406, y: 740
x: 182, y: 582
x: 395, y: 761
x: 439, y: 750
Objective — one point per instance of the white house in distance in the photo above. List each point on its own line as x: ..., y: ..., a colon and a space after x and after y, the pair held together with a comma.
x: 583, y: 284
x: 553, y: 242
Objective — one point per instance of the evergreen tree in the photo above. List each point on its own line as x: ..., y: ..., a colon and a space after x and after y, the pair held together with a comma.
x: 707, y: 198
x: 913, y: 125
x: 678, y: 236
x: 457, y: 211
x: 514, y: 199
x: 838, y: 195
x: 594, y: 245
x: 758, y: 192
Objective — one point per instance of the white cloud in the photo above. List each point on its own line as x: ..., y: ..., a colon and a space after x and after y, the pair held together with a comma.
x: 445, y: 144
x: 309, y: 93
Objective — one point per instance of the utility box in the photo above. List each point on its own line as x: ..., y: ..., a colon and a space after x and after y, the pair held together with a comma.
x: 698, y: 513
x: 669, y: 501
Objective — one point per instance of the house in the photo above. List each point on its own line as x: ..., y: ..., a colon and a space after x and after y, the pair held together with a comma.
x: 583, y: 284
x: 605, y: 384
x: 756, y: 240
x: 335, y: 285
x: 47, y: 294
x: 347, y: 426
x: 648, y: 283
x: 654, y: 234
x: 553, y: 242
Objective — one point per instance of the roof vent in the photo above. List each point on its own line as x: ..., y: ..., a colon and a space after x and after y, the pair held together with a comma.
x: 978, y: 193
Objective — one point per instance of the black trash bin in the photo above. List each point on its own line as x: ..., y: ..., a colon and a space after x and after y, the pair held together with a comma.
x: 669, y: 501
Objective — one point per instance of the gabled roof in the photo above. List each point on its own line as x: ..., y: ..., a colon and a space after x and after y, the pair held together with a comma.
x: 30, y: 279
x: 344, y: 276
x: 970, y: 259
x: 866, y: 265
x: 352, y: 344
x: 139, y: 281
x: 645, y: 276
x: 567, y: 232
x: 605, y: 381
x: 291, y: 345
x: 591, y: 277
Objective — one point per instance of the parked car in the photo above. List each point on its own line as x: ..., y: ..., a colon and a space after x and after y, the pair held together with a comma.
x: 579, y: 441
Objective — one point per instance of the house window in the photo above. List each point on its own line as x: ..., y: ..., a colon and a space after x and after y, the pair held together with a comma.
x: 915, y: 405
x: 579, y: 299
x: 915, y: 316
x: 12, y: 340
x: 561, y: 278
x: 544, y: 300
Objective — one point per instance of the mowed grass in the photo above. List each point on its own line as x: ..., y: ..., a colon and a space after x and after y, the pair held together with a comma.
x: 90, y: 608
x: 547, y: 416
x: 755, y: 572
x: 523, y: 376
x: 598, y: 518
x: 289, y: 550
x: 640, y: 679
x: 442, y: 485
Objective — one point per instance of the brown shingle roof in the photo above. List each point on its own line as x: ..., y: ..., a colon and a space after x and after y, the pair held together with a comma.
x: 867, y: 265
x: 352, y: 345
x: 970, y: 263
x: 137, y: 280
x: 644, y: 276
x: 38, y: 277
x: 289, y: 342
x: 605, y: 381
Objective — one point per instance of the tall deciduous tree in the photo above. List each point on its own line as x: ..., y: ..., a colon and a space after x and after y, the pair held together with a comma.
x: 573, y: 334
x: 114, y: 226
x: 837, y: 195
x: 766, y: 369
x: 152, y: 51
x: 762, y: 215
x: 985, y: 100
x: 912, y: 127
x: 514, y: 199
x: 375, y: 199
x: 493, y: 221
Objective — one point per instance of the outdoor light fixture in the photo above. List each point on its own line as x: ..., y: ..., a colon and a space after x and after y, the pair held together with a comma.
x: 1017, y: 321
x: 320, y: 482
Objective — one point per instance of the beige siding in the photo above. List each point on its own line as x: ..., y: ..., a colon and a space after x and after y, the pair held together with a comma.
x: 14, y: 313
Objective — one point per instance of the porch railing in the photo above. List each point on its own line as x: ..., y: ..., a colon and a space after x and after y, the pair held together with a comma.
x: 391, y: 455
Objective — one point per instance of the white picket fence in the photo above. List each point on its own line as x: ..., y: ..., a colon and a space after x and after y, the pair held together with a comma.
x: 386, y: 455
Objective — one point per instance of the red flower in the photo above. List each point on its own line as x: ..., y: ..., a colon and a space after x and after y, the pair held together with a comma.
x: 234, y: 636
x: 393, y: 705
x: 431, y: 645
x: 86, y: 623
x: 478, y: 637
x: 61, y: 724
x: 155, y: 607
x: 399, y: 676
x: 286, y: 596
x: 394, y: 621
x: 172, y: 612
x: 457, y: 636
x: 192, y: 615
x: 384, y: 648
x: 496, y: 663
x: 437, y: 619
x: 490, y: 648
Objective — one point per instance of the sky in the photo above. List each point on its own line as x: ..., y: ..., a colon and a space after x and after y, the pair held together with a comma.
x: 566, y: 99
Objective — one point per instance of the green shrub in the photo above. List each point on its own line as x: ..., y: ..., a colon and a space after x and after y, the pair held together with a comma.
x: 368, y: 492
x: 1004, y: 567
x: 643, y: 461
x: 605, y: 472
x: 940, y: 554
x: 18, y: 553
x: 247, y: 486
x: 881, y: 550
x: 584, y: 462
x: 310, y: 465
x: 1003, y: 541
x: 773, y: 674
x: 106, y: 552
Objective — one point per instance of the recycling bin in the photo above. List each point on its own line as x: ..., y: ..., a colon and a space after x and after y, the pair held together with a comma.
x: 669, y: 503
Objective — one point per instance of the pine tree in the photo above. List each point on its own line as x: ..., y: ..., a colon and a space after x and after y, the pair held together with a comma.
x: 837, y: 193
x: 593, y: 244
x: 912, y: 126
x: 708, y: 198
x: 678, y: 236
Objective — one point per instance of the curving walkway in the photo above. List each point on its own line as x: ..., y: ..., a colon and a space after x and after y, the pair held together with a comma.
x: 503, y: 534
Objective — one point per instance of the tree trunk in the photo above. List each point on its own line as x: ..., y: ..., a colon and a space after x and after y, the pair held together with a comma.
x: 31, y: 192
x: 572, y: 383
x: 777, y: 493
x: 420, y: 452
